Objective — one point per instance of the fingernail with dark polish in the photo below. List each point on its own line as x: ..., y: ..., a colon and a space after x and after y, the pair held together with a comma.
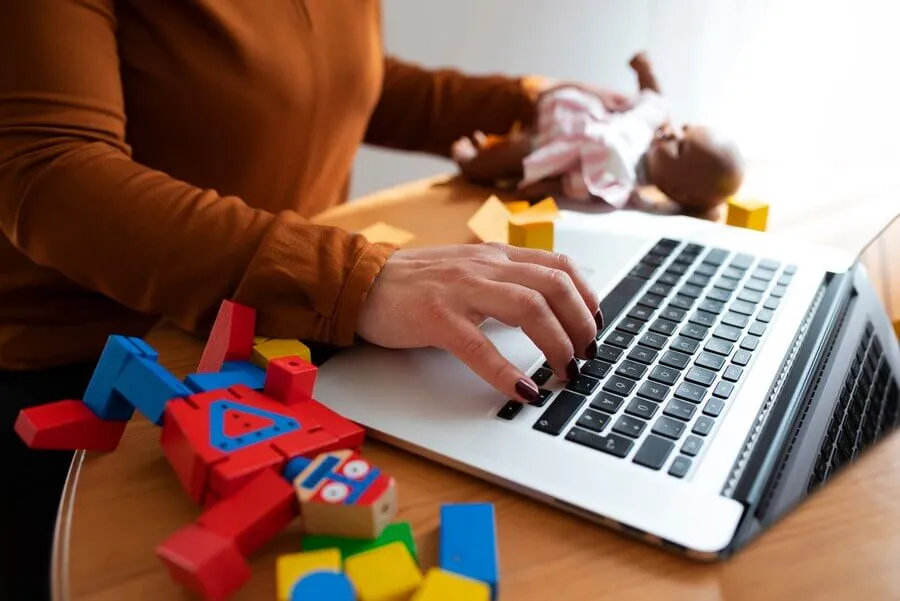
x: 591, y: 351
x: 572, y: 369
x: 528, y: 390
x: 598, y: 317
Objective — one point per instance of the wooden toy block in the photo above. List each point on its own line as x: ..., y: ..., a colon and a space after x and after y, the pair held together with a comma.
x: 530, y: 231
x: 348, y: 434
x: 260, y: 339
x: 250, y: 376
x: 342, y: 494
x: 468, y: 542
x: 231, y: 337
x: 387, y: 573
x: 255, y: 513
x: 148, y: 386
x: 68, y: 425
x: 546, y: 207
x: 324, y: 586
x: 348, y: 547
x: 747, y: 213
x: 490, y: 221
x: 204, y: 562
x: 517, y: 206
x: 440, y: 585
x: 274, y: 348
x: 382, y: 232
x: 289, y: 569
x: 290, y: 380
x: 100, y: 395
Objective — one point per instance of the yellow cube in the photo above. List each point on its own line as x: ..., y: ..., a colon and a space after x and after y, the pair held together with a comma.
x: 440, y: 585
x: 387, y: 573
x: 529, y: 231
x: 546, y: 207
x: 751, y: 214
x: 291, y: 568
x: 278, y: 347
x: 517, y: 206
x: 260, y: 339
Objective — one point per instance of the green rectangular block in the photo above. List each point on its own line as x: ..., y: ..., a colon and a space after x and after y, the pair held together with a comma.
x: 399, y: 531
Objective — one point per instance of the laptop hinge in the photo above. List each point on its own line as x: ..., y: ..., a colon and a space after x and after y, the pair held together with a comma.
x: 768, y: 447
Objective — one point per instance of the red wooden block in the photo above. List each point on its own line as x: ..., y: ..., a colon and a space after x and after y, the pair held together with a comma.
x: 183, y: 427
x: 204, y: 562
x: 231, y: 337
x: 307, y: 443
x: 68, y: 425
x: 290, y: 380
x: 254, y: 514
x: 229, y: 476
x: 349, y: 434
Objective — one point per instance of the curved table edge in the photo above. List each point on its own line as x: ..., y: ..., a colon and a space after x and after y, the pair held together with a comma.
x: 59, y: 563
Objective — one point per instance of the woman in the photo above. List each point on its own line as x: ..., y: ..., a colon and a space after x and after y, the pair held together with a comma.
x: 157, y: 157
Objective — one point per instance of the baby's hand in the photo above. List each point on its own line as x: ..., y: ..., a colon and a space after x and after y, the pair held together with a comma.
x: 487, y: 159
x: 639, y: 62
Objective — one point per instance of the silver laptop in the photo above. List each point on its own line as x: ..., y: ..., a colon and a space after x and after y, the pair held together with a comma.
x: 737, y: 372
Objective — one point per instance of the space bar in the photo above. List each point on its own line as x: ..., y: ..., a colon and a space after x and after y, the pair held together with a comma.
x: 617, y: 299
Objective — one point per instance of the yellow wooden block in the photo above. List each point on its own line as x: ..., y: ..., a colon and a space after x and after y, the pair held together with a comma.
x: 382, y: 232
x: 440, y: 585
x: 274, y: 348
x: 290, y: 568
x: 260, y: 339
x: 531, y: 231
x: 546, y: 207
x: 751, y: 214
x: 388, y: 573
x: 490, y: 223
x: 517, y: 206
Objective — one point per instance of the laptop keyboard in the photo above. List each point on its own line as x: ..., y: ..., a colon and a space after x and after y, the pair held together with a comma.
x: 681, y: 330
x: 867, y: 408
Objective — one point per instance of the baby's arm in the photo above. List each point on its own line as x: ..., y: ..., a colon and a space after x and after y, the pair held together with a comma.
x: 646, y: 78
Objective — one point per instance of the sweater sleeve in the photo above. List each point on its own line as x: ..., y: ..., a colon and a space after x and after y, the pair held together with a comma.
x: 426, y: 110
x: 72, y: 198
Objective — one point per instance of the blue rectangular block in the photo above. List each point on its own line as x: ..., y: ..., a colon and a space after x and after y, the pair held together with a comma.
x: 255, y: 376
x: 468, y: 542
x: 100, y: 395
x: 217, y: 380
x: 148, y: 386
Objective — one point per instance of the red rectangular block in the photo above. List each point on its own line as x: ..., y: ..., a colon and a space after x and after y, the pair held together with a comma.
x: 290, y: 380
x: 206, y: 563
x: 68, y: 425
x: 231, y: 337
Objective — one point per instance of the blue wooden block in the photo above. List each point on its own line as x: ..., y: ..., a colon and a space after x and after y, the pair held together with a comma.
x: 468, y: 542
x: 223, y: 379
x: 324, y: 586
x: 148, y: 386
x: 101, y: 396
x: 255, y: 376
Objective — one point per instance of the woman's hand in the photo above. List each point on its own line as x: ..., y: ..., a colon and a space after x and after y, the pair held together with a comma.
x: 438, y: 297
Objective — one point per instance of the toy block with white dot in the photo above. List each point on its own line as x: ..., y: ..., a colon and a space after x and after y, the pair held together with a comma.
x: 273, y: 348
x: 289, y: 569
x: 468, y: 542
x: 383, y: 232
x: 440, y: 585
x: 387, y: 573
x: 342, y: 494
x: 396, y: 532
x: 747, y: 213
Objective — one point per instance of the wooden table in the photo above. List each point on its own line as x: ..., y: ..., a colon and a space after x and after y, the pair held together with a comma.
x: 842, y: 544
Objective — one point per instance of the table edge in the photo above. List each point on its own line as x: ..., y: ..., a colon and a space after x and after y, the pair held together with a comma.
x: 59, y: 562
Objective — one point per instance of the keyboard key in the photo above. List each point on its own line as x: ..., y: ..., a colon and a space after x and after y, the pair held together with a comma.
x: 654, y: 452
x: 641, y: 271
x: 664, y: 326
x: 607, y: 402
x: 541, y: 375
x: 653, y: 340
x: 690, y: 392
x: 756, y: 285
x: 613, y: 444
x: 559, y: 413
x: 629, y: 426
x: 685, y: 345
x: 596, y: 369
x: 742, y: 261
x: 765, y: 315
x: 710, y: 361
x: 692, y: 445
x: 666, y: 375
x: 682, y: 302
x: 620, y: 297
x: 719, y: 294
x: 593, y: 420
x: 653, y: 260
x: 653, y: 391
x: 757, y: 329
x: 669, y: 278
x: 510, y: 410
x: 619, y: 339
x: 733, y: 273
x: 677, y: 268
x: 706, y: 269
x: 641, y: 408
x: 716, y: 256
x: 668, y: 427
x: 619, y: 385
x: 733, y: 373
x: 771, y: 264
x: 660, y: 289
x: 743, y: 307
x: 711, y: 306
x: 651, y: 300
x: 680, y: 409
x: 675, y: 359
x: 701, y: 376
x: 719, y: 346
x: 762, y: 274
x: 693, y: 248
x: 543, y: 396
x: 703, y: 425
x: 703, y: 318
x: 790, y: 269
x: 735, y: 320
x: 673, y: 313
x: 771, y: 303
x: 640, y: 312
x: 643, y: 354
x: 749, y: 343
x: 694, y: 331
x: 749, y: 296
x: 729, y: 333
x: 680, y: 467
x: 632, y: 326
x: 778, y: 291
x: 691, y: 291
x: 723, y: 390
x: 608, y: 353
x: 699, y: 280
x: 741, y: 358
x: 785, y: 279
x: 726, y: 284
x: 583, y: 384
x: 632, y: 370
x: 714, y: 407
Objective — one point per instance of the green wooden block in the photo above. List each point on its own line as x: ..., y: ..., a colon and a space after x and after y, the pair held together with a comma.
x: 399, y: 531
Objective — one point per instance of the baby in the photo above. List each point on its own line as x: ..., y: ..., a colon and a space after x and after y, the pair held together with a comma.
x: 586, y: 152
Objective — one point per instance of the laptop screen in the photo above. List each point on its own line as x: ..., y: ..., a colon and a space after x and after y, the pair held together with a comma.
x: 882, y: 260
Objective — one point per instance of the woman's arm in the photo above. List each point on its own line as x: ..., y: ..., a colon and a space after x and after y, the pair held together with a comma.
x: 72, y: 199
x: 427, y: 110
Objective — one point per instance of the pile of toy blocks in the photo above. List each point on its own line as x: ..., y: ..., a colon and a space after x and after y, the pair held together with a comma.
x: 387, y: 568
x: 518, y: 223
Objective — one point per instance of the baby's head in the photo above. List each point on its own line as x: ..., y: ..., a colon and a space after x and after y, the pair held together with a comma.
x: 694, y: 167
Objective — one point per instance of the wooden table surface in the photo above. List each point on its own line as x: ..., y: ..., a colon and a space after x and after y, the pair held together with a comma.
x: 842, y: 544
